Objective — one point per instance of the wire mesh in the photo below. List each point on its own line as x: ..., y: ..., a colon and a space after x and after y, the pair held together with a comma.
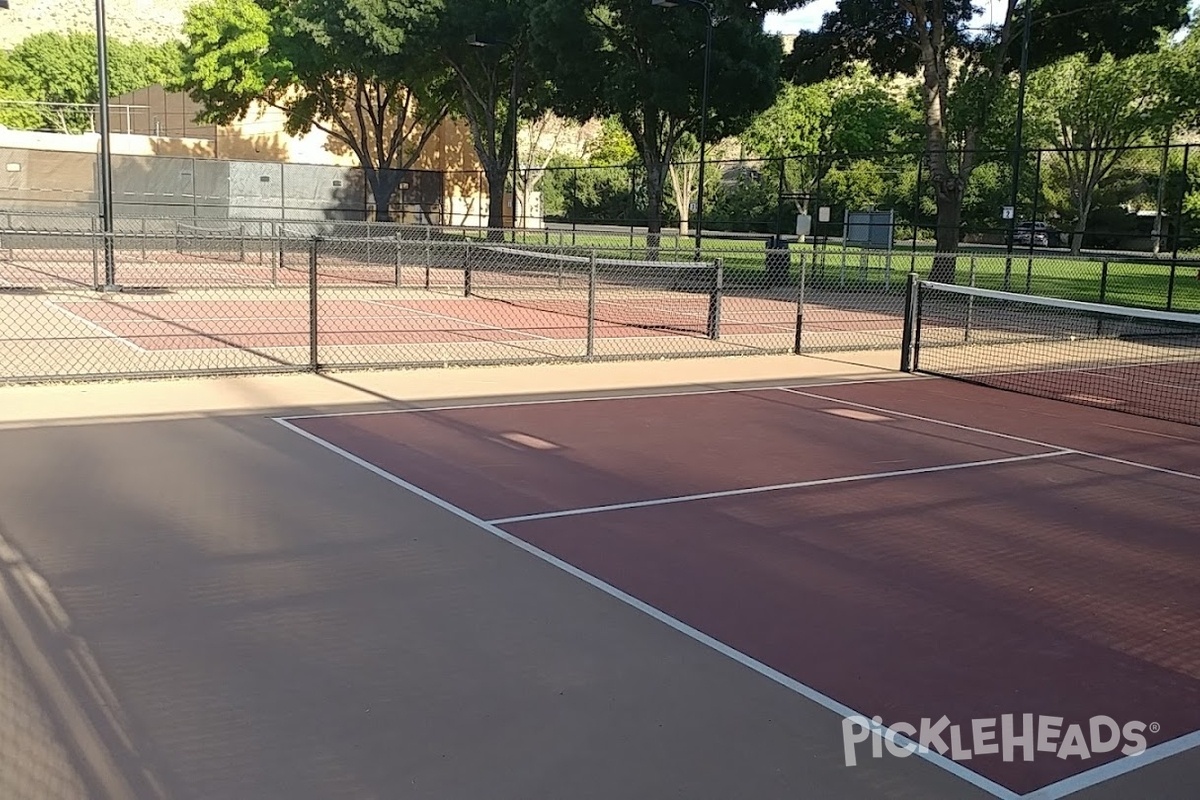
x: 218, y: 294
x: 1139, y: 361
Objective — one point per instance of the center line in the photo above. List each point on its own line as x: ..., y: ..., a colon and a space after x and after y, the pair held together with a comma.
x: 574, y: 512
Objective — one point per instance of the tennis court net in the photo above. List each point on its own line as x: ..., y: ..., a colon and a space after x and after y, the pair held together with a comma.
x: 676, y: 297
x: 214, y: 242
x: 1134, y: 360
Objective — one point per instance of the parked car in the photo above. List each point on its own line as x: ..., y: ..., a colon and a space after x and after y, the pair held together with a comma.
x: 1037, y: 234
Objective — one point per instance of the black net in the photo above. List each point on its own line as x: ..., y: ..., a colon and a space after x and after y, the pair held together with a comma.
x: 1127, y: 359
x: 680, y: 297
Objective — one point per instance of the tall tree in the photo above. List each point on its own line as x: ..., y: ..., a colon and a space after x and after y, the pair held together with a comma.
x: 1103, y: 109
x: 963, y: 66
x: 645, y: 66
x: 486, y: 46
x: 350, y: 68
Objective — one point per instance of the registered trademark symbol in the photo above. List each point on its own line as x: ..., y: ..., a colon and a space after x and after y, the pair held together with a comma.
x: 1155, y: 727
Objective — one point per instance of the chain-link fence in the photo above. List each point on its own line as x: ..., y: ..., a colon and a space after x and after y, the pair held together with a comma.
x: 163, y: 297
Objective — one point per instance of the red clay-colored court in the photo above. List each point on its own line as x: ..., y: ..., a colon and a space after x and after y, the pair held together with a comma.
x: 186, y: 324
x: 908, y: 549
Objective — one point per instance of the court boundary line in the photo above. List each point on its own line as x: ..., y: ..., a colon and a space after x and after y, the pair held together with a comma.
x: 650, y: 394
x: 986, y: 432
x: 807, y: 692
x: 664, y: 501
x: 103, y: 331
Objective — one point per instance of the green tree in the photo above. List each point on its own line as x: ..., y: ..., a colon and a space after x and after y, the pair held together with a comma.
x: 486, y: 45
x: 963, y: 69
x: 358, y: 70
x: 60, y: 69
x: 645, y: 66
x: 1101, y: 111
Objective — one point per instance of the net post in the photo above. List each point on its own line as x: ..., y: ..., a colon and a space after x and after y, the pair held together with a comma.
x: 241, y: 234
x: 906, y: 344
x: 279, y: 243
x: 399, y: 238
x: 591, y: 304
x: 428, y: 254
x: 714, y: 300
x: 144, y: 257
x: 276, y: 259
x: 467, y: 271
x: 95, y: 258
x: 971, y: 302
x: 797, y: 346
x: 313, y: 348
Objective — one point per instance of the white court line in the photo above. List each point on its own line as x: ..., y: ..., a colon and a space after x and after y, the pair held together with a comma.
x: 985, y: 432
x: 650, y: 395
x: 663, y: 501
x: 448, y: 318
x: 96, y: 327
x: 805, y: 691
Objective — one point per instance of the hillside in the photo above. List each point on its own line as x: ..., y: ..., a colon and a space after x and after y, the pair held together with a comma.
x: 145, y: 20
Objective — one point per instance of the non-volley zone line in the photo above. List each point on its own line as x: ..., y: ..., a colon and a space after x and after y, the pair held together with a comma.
x: 870, y: 476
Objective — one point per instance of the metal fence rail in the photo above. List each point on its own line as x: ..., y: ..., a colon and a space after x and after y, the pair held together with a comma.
x: 180, y: 298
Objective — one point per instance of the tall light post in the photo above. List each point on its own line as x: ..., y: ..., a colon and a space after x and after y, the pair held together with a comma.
x: 475, y: 41
x: 1018, y: 146
x: 708, y: 10
x: 106, y: 191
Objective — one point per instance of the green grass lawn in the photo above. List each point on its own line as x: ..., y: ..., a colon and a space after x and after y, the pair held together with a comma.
x: 1143, y: 284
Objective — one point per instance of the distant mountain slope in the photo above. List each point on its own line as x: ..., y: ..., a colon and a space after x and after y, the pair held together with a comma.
x: 144, y: 20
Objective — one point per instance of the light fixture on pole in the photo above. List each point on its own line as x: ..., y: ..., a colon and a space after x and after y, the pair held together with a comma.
x: 474, y: 41
x: 106, y: 191
x: 708, y: 10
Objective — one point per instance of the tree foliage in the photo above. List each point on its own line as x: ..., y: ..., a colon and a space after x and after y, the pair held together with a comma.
x: 645, y: 66
x: 963, y: 67
x: 61, y: 69
x: 1101, y: 109
x: 354, y: 69
x: 486, y: 46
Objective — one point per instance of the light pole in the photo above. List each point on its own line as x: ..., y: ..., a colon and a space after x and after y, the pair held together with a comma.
x: 106, y: 192
x: 475, y: 41
x: 703, y: 106
x: 1018, y: 147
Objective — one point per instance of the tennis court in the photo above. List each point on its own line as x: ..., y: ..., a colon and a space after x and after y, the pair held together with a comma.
x: 696, y: 588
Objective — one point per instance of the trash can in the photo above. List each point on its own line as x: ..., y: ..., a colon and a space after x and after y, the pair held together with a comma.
x: 779, y: 260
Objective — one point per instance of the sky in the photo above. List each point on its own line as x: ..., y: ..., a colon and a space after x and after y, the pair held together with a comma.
x: 809, y: 17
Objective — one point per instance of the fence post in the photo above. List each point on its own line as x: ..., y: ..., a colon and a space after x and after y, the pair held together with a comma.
x: 906, y: 344
x: 1187, y: 150
x: 797, y: 347
x: 313, y: 345
x: 714, y: 300
x: 1103, y: 280
x: 591, y: 304
x: 143, y: 240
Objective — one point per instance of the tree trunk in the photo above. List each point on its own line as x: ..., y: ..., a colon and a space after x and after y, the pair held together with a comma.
x: 383, y: 187
x: 496, y: 178
x: 1077, y: 234
x: 654, y: 202
x: 949, y: 220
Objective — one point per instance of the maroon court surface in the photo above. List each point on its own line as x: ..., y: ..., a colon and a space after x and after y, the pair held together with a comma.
x: 907, y: 549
